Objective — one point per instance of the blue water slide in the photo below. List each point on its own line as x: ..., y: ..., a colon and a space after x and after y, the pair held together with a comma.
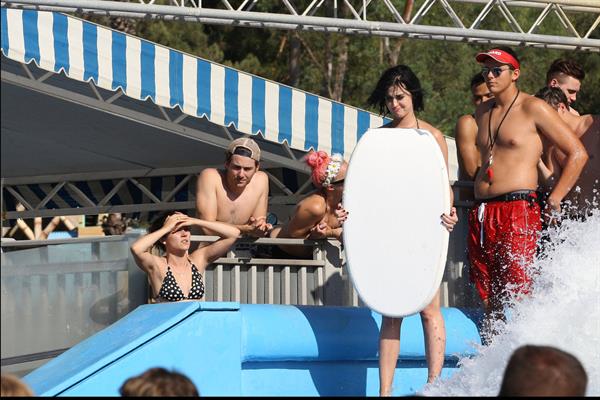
x: 250, y: 350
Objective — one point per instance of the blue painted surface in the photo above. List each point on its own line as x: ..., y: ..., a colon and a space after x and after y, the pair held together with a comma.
x: 251, y: 350
x: 62, y: 234
x: 357, y: 378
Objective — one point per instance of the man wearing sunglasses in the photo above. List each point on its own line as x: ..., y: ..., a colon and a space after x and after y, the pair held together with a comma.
x: 505, y: 223
x: 238, y: 195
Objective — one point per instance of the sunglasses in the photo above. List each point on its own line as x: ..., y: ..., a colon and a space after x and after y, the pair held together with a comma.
x: 496, y: 71
x: 340, y: 182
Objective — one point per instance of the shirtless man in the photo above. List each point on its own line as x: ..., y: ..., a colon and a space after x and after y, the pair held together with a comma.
x: 465, y: 134
x: 585, y: 196
x: 567, y: 76
x: 319, y: 215
x: 239, y: 194
x: 505, y: 223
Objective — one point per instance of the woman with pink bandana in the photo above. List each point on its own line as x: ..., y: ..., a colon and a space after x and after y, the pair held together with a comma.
x: 321, y: 214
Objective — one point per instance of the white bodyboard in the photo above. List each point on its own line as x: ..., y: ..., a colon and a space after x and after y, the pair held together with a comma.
x: 395, y: 191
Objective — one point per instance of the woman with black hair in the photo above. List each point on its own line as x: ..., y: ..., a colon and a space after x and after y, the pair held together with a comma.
x: 177, y: 275
x: 399, y: 94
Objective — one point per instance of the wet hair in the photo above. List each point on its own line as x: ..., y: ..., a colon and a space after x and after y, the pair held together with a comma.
x: 11, y: 386
x: 543, y: 371
x: 553, y: 96
x: 400, y: 75
x: 561, y: 67
x: 477, y: 80
x: 158, y: 382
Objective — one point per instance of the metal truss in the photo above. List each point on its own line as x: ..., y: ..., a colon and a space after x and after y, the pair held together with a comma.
x: 367, y: 17
x: 88, y: 95
x: 26, y: 208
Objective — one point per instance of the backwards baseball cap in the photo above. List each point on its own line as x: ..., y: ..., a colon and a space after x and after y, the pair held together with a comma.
x: 244, y: 147
x: 500, y: 56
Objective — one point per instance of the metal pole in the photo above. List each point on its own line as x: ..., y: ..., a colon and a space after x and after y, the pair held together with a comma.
x: 282, y: 21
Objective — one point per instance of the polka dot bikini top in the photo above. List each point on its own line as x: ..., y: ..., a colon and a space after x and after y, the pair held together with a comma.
x: 170, y: 290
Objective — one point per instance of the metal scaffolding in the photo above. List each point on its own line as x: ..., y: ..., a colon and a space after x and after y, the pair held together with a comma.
x: 365, y: 17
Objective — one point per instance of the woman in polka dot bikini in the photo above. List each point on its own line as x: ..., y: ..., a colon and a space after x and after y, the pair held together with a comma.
x: 178, y: 272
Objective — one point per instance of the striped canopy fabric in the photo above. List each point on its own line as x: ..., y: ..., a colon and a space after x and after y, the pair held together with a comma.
x: 141, y: 69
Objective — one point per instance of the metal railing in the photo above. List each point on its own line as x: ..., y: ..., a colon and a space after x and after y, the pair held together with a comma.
x: 56, y: 293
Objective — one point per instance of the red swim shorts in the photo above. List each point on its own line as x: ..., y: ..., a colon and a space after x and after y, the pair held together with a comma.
x: 502, y: 244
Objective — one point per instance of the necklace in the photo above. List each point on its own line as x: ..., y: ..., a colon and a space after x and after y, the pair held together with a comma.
x: 416, y: 120
x: 489, y: 171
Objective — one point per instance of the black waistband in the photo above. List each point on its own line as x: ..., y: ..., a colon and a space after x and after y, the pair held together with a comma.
x: 512, y: 196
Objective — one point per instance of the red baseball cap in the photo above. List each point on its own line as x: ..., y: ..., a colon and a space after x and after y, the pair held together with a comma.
x: 500, y: 56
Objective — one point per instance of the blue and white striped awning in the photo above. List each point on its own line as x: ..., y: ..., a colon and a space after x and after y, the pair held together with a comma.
x: 141, y: 69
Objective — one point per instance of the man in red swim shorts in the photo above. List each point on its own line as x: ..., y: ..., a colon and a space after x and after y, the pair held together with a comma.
x: 502, y: 242
x: 505, y: 223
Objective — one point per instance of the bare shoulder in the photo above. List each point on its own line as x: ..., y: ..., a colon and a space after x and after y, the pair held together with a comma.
x: 313, y: 205
x: 209, y: 175
x: 466, y: 127
x: 261, y: 177
x: 466, y: 119
x: 435, y: 131
x: 534, y: 104
x: 541, y: 112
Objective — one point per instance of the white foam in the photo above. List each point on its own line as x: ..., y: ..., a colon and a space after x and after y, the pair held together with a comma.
x: 564, y: 312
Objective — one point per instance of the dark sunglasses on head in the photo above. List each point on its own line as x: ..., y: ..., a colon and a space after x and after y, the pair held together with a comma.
x: 496, y: 71
x: 340, y: 182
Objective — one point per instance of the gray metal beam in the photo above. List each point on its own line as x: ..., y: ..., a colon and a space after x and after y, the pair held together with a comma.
x: 128, y: 208
x: 125, y: 208
x: 297, y: 21
x: 86, y: 176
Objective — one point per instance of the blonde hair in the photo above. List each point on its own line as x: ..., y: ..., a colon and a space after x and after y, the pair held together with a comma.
x: 12, y: 386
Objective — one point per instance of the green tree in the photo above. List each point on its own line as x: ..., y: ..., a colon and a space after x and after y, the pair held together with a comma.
x: 346, y: 67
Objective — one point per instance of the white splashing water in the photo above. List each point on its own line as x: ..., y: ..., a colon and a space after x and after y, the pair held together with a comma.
x: 563, y: 312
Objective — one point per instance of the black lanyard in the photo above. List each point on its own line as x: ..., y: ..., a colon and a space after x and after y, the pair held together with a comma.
x: 493, y: 140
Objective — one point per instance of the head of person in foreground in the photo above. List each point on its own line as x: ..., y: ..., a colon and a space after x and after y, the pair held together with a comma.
x: 543, y: 371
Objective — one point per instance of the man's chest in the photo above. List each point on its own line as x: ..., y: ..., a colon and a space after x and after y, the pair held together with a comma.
x: 513, y: 133
x: 236, y: 209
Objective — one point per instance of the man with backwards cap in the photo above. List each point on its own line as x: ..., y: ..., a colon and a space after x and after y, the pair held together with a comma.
x: 505, y: 223
x: 239, y: 194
